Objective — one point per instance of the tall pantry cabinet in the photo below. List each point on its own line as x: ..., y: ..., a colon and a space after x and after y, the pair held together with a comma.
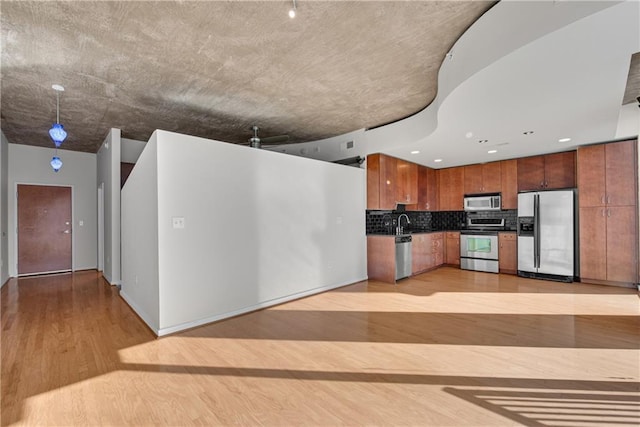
x: 608, y: 197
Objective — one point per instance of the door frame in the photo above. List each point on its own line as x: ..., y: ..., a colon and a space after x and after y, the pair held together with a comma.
x: 101, y: 227
x: 15, y: 223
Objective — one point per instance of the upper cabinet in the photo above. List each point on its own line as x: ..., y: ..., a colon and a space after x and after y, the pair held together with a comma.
x: 509, y: 183
x: 451, y: 189
x: 484, y: 178
x: 494, y: 177
x: 606, y: 175
x: 547, y: 172
x: 407, y: 182
x: 390, y: 181
x: 427, y: 190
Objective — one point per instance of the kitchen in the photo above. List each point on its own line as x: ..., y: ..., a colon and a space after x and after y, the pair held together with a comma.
x: 486, y: 217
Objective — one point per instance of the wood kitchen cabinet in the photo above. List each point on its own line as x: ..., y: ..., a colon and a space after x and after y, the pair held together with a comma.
x: 390, y: 181
x: 406, y: 182
x: 551, y: 171
x: 507, y: 253
x: 451, y: 189
x: 437, y: 249
x: 381, y: 258
x: 509, y: 183
x: 483, y: 178
x: 427, y: 190
x: 606, y: 174
x: 452, y: 248
x: 427, y: 252
x: 608, y: 213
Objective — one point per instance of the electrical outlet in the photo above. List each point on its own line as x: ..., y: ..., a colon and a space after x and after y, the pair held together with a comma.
x: 178, y: 222
x: 81, y: 223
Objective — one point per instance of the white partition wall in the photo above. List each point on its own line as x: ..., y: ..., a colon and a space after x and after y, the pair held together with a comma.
x: 239, y: 229
x: 139, y: 225
x: 108, y: 178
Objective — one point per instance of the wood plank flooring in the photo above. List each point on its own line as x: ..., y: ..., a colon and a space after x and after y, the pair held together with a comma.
x: 446, y: 348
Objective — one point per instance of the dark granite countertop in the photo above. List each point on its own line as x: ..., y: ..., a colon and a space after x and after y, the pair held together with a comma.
x: 503, y: 229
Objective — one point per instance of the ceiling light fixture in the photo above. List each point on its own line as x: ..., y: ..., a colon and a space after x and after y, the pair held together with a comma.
x: 292, y: 11
x: 56, y: 163
x: 57, y: 132
x: 415, y: 152
x: 483, y: 141
x: 529, y: 132
x: 437, y: 160
x: 492, y: 151
x: 564, y: 140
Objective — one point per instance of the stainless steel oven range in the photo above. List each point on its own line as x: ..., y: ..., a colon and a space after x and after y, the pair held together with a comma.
x: 479, y: 245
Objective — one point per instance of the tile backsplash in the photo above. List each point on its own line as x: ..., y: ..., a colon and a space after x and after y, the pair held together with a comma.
x: 385, y: 222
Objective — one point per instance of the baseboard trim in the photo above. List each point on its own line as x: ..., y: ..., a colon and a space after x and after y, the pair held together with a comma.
x: 270, y: 303
x: 140, y: 312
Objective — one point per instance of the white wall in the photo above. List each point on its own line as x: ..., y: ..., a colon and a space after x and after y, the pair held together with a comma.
x: 108, y: 174
x: 130, y: 150
x: 140, y: 237
x: 260, y: 228
x: 4, y: 220
x: 30, y: 165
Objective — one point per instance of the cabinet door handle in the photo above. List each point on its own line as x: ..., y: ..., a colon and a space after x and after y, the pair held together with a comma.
x: 603, y: 212
x: 608, y: 199
x: 609, y: 213
x: 541, y: 184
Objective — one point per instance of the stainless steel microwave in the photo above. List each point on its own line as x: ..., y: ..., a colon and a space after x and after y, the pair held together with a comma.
x: 482, y: 202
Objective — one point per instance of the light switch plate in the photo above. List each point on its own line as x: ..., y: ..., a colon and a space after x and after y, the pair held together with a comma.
x: 178, y: 222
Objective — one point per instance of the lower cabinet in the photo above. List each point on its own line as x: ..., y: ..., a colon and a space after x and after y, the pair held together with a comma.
x: 452, y: 250
x: 608, y: 250
x: 507, y: 253
x: 427, y: 252
x: 381, y: 258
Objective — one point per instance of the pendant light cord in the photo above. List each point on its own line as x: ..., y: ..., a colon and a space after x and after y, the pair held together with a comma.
x: 57, y: 107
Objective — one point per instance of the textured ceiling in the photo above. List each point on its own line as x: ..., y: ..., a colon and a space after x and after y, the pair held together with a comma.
x: 212, y: 69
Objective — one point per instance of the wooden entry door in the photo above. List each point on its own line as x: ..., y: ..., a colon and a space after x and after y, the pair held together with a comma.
x: 44, y: 229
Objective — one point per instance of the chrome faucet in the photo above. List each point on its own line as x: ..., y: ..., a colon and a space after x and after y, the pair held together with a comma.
x: 399, y: 229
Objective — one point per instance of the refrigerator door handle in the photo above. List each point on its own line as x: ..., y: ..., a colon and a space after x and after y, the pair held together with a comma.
x: 536, y: 231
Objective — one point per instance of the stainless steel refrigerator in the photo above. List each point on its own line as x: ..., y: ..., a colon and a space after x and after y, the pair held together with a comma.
x: 547, y: 235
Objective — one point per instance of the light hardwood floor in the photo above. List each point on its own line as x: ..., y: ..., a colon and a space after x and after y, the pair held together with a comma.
x: 446, y: 348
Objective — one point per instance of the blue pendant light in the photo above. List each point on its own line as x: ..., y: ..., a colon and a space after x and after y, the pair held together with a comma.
x: 57, y: 131
x: 56, y: 163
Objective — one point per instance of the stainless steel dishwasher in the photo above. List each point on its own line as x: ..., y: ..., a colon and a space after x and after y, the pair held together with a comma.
x: 403, y: 256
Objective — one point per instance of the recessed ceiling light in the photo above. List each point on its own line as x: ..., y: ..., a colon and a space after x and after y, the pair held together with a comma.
x: 529, y: 132
x: 564, y: 140
x: 483, y: 141
x: 468, y: 134
x: 415, y: 152
x: 492, y: 151
x: 437, y: 160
